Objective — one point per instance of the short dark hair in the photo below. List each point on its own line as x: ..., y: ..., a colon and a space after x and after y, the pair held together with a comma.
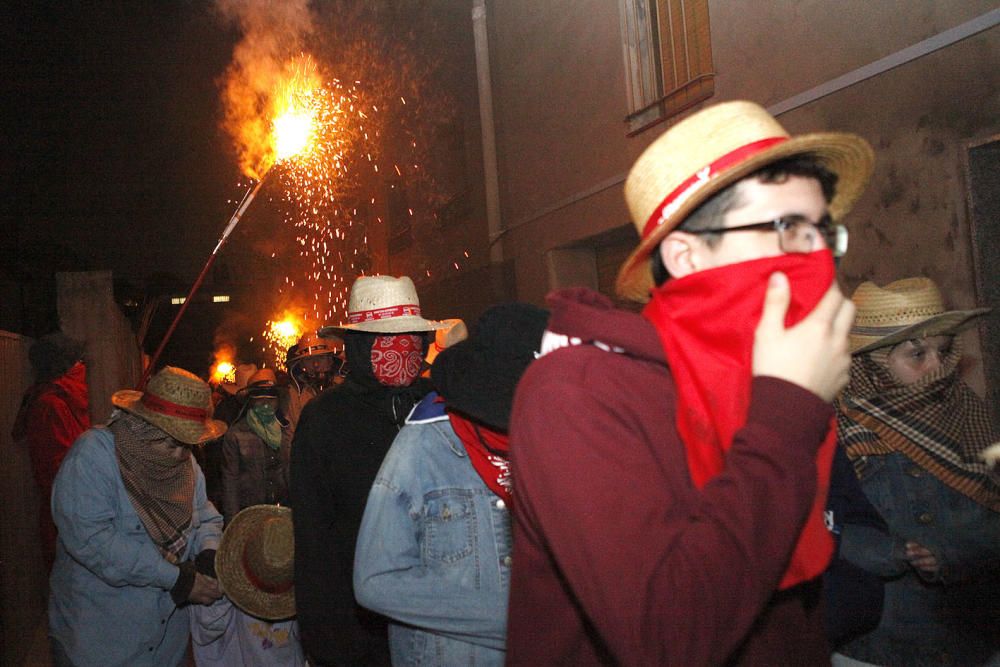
x: 708, y: 215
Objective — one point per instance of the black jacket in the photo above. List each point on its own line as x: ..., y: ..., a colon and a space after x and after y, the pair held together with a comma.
x: 338, y: 447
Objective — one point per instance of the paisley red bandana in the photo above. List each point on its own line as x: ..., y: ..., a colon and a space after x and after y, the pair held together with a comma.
x: 396, y: 359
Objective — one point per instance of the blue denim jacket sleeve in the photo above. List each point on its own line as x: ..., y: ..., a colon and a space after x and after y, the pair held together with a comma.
x: 392, y: 576
x: 90, y: 525
x: 207, y: 521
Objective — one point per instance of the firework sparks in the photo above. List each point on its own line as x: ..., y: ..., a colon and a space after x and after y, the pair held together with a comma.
x: 280, y: 335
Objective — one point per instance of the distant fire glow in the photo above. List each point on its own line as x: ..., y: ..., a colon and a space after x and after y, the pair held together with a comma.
x: 224, y: 371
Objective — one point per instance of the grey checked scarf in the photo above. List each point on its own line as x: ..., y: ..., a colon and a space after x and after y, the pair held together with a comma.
x: 938, y: 422
x: 160, y: 488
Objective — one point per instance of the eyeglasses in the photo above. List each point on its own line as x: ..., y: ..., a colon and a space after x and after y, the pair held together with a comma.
x: 796, y: 233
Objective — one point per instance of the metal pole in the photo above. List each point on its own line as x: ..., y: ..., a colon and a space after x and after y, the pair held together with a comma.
x: 233, y: 221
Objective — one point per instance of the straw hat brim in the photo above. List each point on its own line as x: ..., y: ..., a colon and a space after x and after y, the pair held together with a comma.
x: 847, y: 155
x: 186, y: 431
x: 945, y: 324
x: 402, y: 324
x: 232, y: 576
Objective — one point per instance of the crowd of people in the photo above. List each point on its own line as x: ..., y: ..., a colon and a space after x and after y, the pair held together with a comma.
x: 753, y: 469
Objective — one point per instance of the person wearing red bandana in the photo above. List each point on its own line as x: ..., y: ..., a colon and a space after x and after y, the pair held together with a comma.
x: 434, y: 551
x: 341, y: 438
x: 671, y: 467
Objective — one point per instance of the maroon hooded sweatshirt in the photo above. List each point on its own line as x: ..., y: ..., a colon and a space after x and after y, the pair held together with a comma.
x: 618, y: 558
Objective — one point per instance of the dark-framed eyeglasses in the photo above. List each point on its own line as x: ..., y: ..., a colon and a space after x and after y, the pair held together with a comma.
x: 796, y: 233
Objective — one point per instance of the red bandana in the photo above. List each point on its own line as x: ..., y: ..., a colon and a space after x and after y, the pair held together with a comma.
x: 488, y: 451
x: 396, y: 359
x: 706, y: 324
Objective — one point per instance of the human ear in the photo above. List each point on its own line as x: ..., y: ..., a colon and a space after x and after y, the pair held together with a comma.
x: 679, y: 252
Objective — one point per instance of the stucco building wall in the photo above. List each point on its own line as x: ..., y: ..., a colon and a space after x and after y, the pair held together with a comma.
x: 560, y: 100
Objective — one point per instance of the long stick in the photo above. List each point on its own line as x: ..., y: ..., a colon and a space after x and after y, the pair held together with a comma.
x: 233, y: 221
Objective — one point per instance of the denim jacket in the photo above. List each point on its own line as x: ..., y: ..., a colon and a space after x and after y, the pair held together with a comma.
x: 434, y: 551
x: 942, y: 619
x: 109, y: 601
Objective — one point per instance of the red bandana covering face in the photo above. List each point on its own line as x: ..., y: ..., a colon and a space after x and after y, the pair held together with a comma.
x: 489, y: 453
x: 706, y: 324
x: 396, y: 359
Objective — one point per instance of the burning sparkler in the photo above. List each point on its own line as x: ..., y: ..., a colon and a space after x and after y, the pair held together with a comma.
x: 293, y: 127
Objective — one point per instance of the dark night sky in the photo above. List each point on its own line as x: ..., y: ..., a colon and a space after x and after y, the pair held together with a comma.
x: 112, y: 146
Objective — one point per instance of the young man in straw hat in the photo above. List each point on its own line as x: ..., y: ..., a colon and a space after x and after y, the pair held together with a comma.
x: 915, y: 433
x: 670, y: 468
x: 338, y: 446
x: 137, y: 536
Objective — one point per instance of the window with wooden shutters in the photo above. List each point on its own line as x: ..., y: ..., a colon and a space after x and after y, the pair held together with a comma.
x: 668, y: 58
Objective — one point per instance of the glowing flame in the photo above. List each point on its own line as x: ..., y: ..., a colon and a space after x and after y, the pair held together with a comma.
x: 224, y: 371
x: 294, y: 125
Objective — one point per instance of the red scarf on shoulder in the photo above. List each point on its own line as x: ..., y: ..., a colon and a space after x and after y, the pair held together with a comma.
x: 706, y: 323
x: 489, y: 453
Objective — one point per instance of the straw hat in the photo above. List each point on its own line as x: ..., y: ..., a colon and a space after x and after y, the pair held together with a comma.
x: 256, y: 562
x: 383, y: 304
x: 478, y: 376
x: 177, y: 402
x: 714, y: 148
x: 455, y: 332
x: 903, y: 310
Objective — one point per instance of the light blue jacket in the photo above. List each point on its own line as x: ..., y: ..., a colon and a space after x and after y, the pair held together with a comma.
x: 434, y: 549
x: 110, y: 587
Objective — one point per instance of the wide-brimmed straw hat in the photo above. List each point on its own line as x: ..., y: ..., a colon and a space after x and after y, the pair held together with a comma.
x: 478, y: 376
x: 903, y: 310
x: 382, y: 304
x: 256, y: 562
x: 710, y: 150
x: 177, y: 402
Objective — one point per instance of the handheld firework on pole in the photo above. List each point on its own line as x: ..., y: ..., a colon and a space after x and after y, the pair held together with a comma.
x: 292, y: 130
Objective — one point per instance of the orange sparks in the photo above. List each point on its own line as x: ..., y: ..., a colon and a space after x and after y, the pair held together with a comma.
x: 281, y: 334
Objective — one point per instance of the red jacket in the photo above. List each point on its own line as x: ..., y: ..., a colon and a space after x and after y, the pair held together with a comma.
x: 56, y: 413
x: 52, y: 416
x: 618, y: 559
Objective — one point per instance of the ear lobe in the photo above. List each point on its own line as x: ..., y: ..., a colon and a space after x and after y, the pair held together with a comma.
x: 678, y: 250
